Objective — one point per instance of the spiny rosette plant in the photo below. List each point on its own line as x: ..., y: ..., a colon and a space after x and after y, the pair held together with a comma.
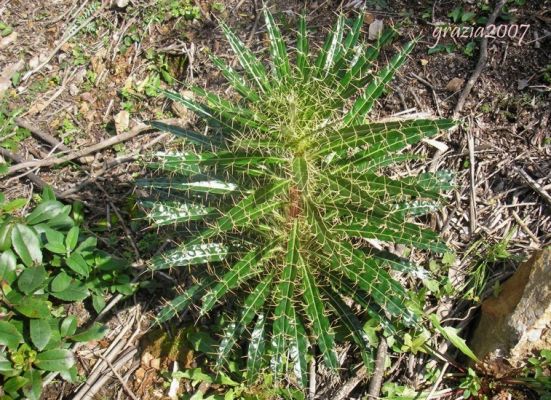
x: 284, y: 196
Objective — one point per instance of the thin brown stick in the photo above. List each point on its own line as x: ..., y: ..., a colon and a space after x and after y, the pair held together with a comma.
x: 525, y: 228
x: 377, y: 378
x: 472, y: 203
x: 46, y: 137
x: 438, y: 381
x: 432, y: 89
x: 119, y: 377
x: 51, y: 161
x: 30, y: 175
x: 480, y: 64
x: 534, y: 185
x: 349, y: 386
x: 94, y: 389
x: 112, y: 163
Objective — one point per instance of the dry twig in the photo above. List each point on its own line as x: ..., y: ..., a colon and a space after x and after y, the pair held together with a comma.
x: 30, y: 175
x: 348, y: 387
x: 120, y: 378
x: 481, y: 62
x: 472, y: 203
x: 534, y: 185
x: 51, y: 161
x: 377, y: 378
x: 46, y: 137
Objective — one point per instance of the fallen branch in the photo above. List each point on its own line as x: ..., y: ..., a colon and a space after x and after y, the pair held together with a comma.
x: 348, y: 387
x: 112, y: 163
x: 46, y: 137
x: 115, y: 372
x: 49, y: 162
x: 95, y: 388
x: 377, y: 378
x: 481, y: 62
x: 30, y: 175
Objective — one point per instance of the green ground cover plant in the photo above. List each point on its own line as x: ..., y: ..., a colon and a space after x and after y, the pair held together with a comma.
x: 47, y: 265
x: 285, y: 197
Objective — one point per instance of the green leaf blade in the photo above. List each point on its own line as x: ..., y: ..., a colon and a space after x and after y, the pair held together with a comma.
x: 316, y: 313
x: 26, y: 244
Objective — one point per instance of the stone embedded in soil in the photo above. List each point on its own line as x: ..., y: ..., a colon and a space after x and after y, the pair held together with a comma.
x: 517, y: 323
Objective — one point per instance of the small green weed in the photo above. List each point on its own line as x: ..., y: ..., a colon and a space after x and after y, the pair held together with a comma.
x: 47, y: 264
x: 10, y: 133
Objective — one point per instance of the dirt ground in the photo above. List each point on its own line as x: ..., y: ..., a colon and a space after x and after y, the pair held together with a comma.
x: 80, y: 72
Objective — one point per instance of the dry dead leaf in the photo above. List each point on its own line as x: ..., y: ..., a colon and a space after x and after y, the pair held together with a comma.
x: 7, y: 73
x: 375, y: 29
x: 6, y: 41
x: 522, y: 83
x: 155, y: 363
x: 181, y: 111
x: 455, y: 85
x: 38, y: 107
x: 146, y: 359
x: 368, y: 18
x: 139, y: 374
x: 98, y: 66
x: 122, y: 120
